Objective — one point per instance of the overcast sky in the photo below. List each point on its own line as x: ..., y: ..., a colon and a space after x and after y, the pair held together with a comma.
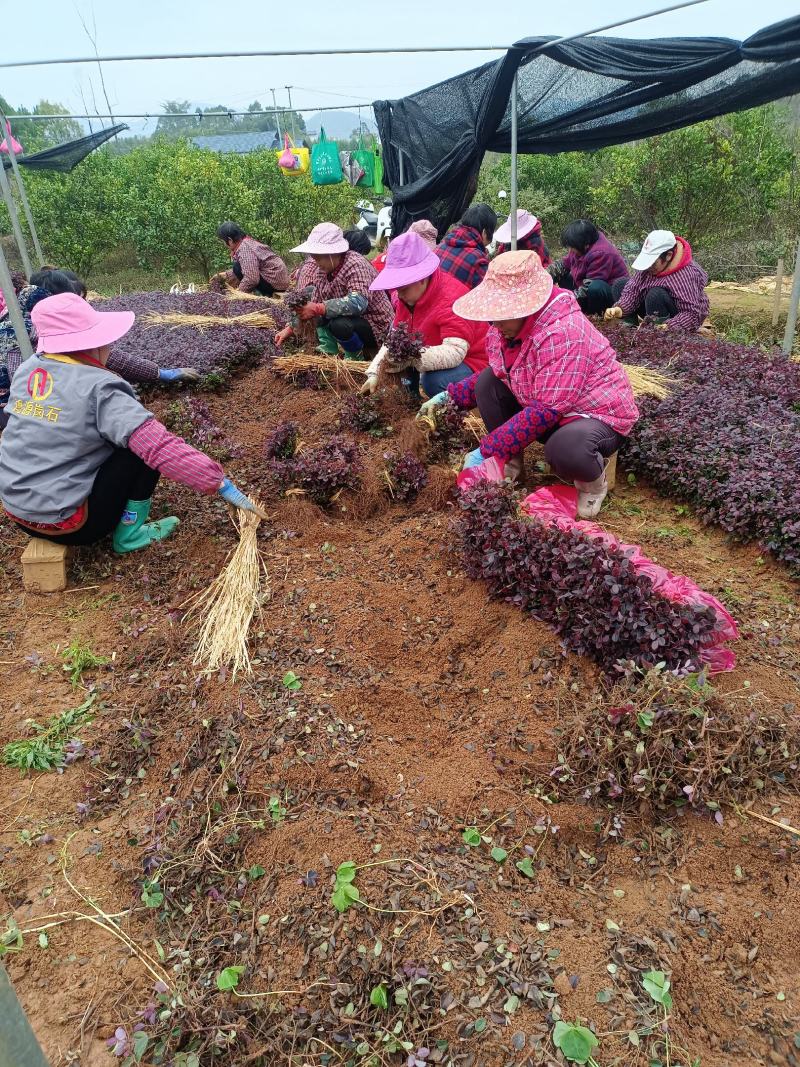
x: 51, y: 29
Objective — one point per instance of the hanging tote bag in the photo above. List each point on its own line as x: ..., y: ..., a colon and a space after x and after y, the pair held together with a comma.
x: 292, y: 160
x: 377, y: 186
x: 365, y: 158
x: 326, y: 168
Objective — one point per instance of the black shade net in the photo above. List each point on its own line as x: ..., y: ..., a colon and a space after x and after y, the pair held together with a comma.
x: 577, y: 96
x: 65, y: 157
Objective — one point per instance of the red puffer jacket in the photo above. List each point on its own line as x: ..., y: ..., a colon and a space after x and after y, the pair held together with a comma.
x: 434, y: 318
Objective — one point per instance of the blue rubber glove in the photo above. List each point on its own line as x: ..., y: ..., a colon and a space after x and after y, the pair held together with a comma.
x: 236, y: 498
x: 434, y: 402
x: 473, y: 459
x: 178, y: 374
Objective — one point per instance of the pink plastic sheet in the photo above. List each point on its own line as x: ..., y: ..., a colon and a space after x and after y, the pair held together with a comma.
x: 558, y: 504
x: 491, y: 470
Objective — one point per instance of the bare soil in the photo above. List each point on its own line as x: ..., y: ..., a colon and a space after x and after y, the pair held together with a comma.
x: 424, y: 709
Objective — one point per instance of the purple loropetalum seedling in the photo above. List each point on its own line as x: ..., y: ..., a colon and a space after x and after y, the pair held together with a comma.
x: 405, y: 475
x: 727, y: 438
x: 281, y: 443
x: 403, y: 346
x: 360, y: 414
x: 591, y: 594
x: 213, y: 351
x: 322, y: 472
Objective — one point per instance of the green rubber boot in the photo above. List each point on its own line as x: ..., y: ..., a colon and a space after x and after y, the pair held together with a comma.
x: 133, y: 530
x: 328, y: 344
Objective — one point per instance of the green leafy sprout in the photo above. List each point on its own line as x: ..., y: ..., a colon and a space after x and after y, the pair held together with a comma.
x: 45, y: 751
x: 79, y: 657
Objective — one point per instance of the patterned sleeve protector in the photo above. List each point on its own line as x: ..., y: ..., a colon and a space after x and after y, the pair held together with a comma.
x: 463, y: 393
x: 514, y: 436
x: 354, y: 304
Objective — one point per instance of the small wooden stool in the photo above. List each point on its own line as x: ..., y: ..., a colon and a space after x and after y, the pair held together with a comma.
x: 44, y: 566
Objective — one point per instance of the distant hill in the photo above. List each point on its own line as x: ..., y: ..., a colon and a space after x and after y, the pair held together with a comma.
x: 340, y: 124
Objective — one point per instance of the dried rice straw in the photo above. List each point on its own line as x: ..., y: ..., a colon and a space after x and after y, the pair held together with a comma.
x: 239, y: 294
x: 228, y: 605
x: 257, y: 319
x: 648, y: 382
x: 342, y: 370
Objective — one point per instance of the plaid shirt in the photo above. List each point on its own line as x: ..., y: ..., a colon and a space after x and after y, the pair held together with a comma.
x: 561, y: 361
x: 131, y: 368
x: 259, y: 263
x: 463, y: 255
x: 686, y: 284
x: 559, y: 367
x: 353, y: 276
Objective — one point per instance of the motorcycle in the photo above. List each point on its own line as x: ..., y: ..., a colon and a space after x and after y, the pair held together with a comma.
x: 375, y: 224
x: 367, y: 219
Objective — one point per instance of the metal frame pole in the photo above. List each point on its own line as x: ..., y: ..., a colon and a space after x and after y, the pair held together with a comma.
x: 291, y: 112
x: 514, y: 122
x: 277, y: 115
x: 14, y: 313
x: 26, y: 207
x: 402, y: 166
x: 5, y: 184
x: 794, y: 300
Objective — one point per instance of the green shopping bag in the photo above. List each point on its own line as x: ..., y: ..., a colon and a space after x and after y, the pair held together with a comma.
x: 326, y: 168
x: 365, y: 158
x: 378, y: 185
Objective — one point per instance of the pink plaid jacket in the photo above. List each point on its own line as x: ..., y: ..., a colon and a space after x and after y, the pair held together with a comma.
x: 560, y: 360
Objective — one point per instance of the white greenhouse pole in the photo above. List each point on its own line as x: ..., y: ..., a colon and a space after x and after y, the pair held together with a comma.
x: 14, y: 313
x: 26, y: 207
x: 5, y: 185
x: 794, y: 300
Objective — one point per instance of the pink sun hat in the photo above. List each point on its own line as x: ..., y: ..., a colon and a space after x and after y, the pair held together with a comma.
x: 516, y: 285
x: 409, y: 260
x: 426, y: 230
x: 66, y: 323
x: 326, y: 239
x: 525, y: 223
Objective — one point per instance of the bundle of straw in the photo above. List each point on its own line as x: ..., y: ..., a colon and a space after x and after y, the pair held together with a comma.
x: 228, y: 605
x: 256, y: 319
x: 330, y: 368
x: 648, y: 382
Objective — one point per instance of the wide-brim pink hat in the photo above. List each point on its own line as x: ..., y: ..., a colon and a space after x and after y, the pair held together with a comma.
x: 516, y: 285
x: 525, y: 224
x: 326, y: 239
x: 66, y: 323
x: 409, y: 260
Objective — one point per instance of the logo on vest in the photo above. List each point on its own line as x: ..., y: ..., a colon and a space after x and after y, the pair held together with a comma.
x: 40, y: 384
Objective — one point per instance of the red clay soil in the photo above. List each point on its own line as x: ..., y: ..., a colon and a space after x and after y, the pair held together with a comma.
x: 424, y: 709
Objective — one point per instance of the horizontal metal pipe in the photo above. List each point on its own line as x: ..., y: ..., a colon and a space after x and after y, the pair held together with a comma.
x: 251, y: 55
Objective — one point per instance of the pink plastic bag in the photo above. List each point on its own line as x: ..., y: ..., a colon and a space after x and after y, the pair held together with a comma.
x: 558, y: 504
x: 16, y: 147
x: 491, y: 470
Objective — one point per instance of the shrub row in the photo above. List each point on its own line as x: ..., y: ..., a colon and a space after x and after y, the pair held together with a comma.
x: 590, y: 594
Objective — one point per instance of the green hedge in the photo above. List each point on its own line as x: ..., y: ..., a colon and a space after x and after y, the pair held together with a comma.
x: 164, y: 202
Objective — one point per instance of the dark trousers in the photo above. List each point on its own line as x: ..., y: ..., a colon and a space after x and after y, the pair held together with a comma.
x: 344, y: 326
x: 658, y: 302
x: 121, y: 478
x: 593, y: 296
x: 576, y: 451
x: 263, y: 288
